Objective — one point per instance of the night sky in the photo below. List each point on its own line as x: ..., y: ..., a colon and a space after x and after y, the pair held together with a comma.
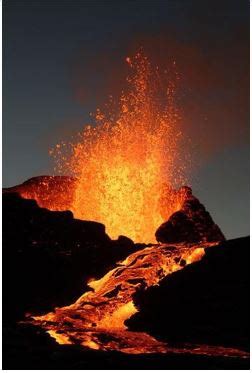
x: 61, y: 59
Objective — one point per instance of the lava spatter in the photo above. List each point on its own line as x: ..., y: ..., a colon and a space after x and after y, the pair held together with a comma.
x: 122, y: 161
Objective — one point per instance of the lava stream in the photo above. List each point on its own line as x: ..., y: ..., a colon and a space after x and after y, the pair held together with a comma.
x: 96, y: 319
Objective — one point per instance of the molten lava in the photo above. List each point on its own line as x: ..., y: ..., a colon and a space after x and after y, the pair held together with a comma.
x: 104, y: 310
x: 122, y: 162
x: 96, y: 319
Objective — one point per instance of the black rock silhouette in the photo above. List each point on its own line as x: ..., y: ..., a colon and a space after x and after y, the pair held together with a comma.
x: 49, y: 256
x: 192, y: 223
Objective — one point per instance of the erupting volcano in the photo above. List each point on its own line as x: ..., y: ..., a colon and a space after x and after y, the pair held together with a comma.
x: 126, y: 172
x: 123, y: 225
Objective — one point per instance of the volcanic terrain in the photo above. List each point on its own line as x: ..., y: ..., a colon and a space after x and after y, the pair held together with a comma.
x: 75, y: 299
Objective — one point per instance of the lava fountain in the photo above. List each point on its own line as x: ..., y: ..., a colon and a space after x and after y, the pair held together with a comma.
x: 121, y: 163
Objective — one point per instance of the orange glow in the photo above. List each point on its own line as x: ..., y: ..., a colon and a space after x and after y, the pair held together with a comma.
x: 53, y: 193
x: 123, y: 161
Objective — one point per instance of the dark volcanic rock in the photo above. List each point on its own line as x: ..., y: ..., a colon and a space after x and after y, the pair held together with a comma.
x: 207, y: 302
x: 192, y: 223
x: 48, y: 256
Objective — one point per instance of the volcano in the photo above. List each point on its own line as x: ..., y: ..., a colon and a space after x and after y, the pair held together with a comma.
x: 119, y: 259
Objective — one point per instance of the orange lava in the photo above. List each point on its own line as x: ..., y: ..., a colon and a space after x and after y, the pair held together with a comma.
x: 122, y: 162
x: 105, y: 309
x: 96, y: 319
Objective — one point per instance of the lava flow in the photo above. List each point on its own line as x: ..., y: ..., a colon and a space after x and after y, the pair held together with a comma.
x: 96, y: 319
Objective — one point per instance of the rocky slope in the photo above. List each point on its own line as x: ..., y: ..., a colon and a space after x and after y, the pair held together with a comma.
x: 48, y: 256
x: 206, y: 302
x: 192, y: 223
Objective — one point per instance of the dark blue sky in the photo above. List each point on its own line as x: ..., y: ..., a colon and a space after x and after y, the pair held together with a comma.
x: 62, y: 58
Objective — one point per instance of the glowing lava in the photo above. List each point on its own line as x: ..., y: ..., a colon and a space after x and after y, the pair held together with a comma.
x: 103, y: 311
x: 96, y: 319
x: 122, y: 162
